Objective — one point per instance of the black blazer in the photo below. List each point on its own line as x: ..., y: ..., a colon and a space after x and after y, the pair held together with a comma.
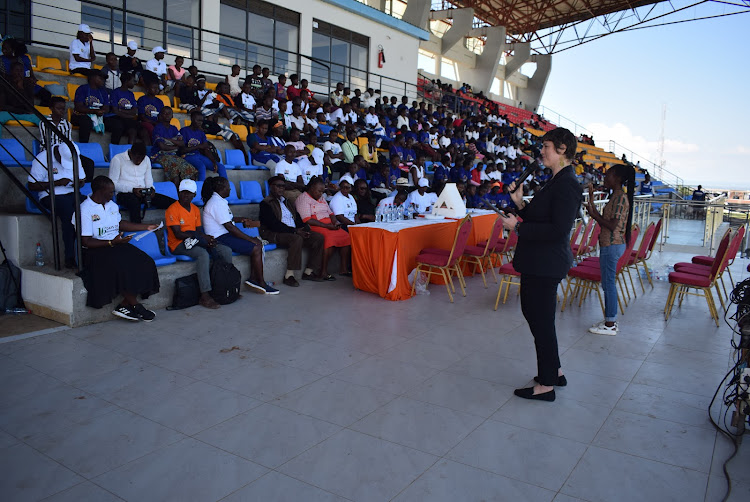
x: 270, y: 217
x: 544, y: 235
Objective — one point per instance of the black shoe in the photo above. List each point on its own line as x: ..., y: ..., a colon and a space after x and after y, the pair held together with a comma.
x: 70, y: 263
x: 310, y: 277
x: 126, y: 312
x: 561, y: 381
x: 144, y: 313
x: 528, y: 393
x: 291, y: 281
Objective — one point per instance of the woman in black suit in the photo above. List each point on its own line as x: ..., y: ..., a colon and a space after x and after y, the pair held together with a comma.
x: 543, y: 256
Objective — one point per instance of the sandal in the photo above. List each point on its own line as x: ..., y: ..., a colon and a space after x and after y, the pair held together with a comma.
x: 329, y: 277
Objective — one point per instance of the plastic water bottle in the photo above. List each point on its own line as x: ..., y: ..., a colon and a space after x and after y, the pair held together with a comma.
x: 378, y: 214
x: 38, y: 256
x: 389, y: 213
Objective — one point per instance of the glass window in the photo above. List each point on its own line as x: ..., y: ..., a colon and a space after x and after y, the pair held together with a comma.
x: 147, y: 32
x: 426, y: 61
x: 448, y: 69
x: 184, y: 12
x: 321, y: 49
x: 180, y: 41
x: 259, y: 29
x: 232, y: 43
x: 152, y: 8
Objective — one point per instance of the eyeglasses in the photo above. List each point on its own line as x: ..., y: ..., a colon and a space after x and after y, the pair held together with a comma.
x: 279, y: 185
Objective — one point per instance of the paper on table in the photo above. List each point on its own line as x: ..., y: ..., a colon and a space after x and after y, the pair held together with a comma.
x: 144, y: 234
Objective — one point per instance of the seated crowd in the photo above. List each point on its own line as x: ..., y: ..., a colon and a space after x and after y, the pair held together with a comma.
x: 333, y: 159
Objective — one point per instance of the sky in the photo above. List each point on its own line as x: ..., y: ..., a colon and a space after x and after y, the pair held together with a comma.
x: 616, y: 87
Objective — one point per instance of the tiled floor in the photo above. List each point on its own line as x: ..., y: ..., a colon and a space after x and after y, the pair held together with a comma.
x: 328, y: 394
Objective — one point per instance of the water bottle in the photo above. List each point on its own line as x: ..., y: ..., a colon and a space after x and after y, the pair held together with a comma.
x: 378, y: 214
x: 391, y: 214
x: 387, y: 214
x: 38, y: 256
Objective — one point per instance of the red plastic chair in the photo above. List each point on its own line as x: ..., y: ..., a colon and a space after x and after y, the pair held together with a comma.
x: 446, y: 264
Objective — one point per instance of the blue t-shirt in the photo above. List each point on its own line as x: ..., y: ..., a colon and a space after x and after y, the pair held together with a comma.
x: 409, y: 155
x: 397, y: 151
x: 162, y: 132
x: 150, y: 107
x: 646, y: 187
x: 92, y: 98
x: 394, y: 173
x: 377, y: 180
x: 440, y: 174
x: 122, y: 100
x: 457, y: 175
x: 192, y: 138
x: 7, y: 61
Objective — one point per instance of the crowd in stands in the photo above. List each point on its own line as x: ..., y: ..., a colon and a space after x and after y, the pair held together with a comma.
x: 334, y: 158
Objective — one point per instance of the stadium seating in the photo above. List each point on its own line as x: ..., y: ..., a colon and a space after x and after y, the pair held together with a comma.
x: 233, y: 198
x: 166, y: 188
x: 250, y: 190
x: 12, y: 153
x: 149, y: 244
x: 94, y: 152
x: 236, y: 160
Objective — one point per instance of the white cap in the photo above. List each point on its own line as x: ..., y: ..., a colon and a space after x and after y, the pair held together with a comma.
x: 84, y: 28
x: 423, y: 182
x: 346, y: 178
x: 402, y: 182
x: 66, y: 157
x: 132, y: 45
x: 158, y: 49
x: 188, y: 185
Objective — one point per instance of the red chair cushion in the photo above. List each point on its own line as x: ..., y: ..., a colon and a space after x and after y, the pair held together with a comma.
x: 437, y: 260
x: 474, y: 250
x: 507, y: 269
x: 439, y: 251
x: 586, y: 273
x: 692, y: 269
x: 703, y: 260
x: 701, y: 281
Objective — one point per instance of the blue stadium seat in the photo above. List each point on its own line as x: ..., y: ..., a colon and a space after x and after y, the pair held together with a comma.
x: 150, y: 245
x: 94, y: 152
x: 268, y: 190
x: 12, y: 153
x: 197, y: 200
x: 166, y: 188
x: 178, y: 257
x: 236, y: 159
x: 115, y: 149
x: 253, y: 232
x: 86, y: 190
x: 233, y: 199
x: 35, y: 147
x: 250, y: 190
x: 30, y: 207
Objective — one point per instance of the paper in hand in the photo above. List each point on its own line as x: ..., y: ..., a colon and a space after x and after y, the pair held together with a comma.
x: 144, y: 234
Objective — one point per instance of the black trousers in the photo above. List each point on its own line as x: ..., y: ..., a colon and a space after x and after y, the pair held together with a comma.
x: 64, y: 210
x: 538, y: 304
x: 133, y: 204
x: 118, y: 125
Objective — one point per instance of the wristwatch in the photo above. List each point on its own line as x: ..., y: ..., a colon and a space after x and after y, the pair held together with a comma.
x: 110, y: 242
x: 518, y: 224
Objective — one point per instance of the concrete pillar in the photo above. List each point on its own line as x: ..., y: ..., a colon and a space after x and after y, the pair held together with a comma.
x: 486, y: 63
x: 462, y: 22
x: 417, y: 12
x: 531, y: 96
x: 520, y: 56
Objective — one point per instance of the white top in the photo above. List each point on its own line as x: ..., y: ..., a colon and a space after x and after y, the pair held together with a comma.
x: 234, y: 86
x: 216, y: 212
x: 113, y: 78
x: 296, y: 122
x: 372, y: 120
x: 339, y: 117
x: 248, y: 101
x: 126, y: 175
x: 420, y: 174
x: 39, y: 173
x: 99, y: 222
x: 402, y: 121
x: 334, y: 148
x: 157, y: 66
x: 344, y: 205
x: 209, y: 99
x: 290, y: 171
x: 388, y: 200
x: 422, y: 202
x: 304, y: 107
x: 434, y: 140
x: 317, y: 155
x: 287, y: 218
x: 83, y: 50
x: 308, y: 169
x: 445, y: 141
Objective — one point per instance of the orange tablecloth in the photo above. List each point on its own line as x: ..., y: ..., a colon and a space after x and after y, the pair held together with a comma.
x: 374, y: 249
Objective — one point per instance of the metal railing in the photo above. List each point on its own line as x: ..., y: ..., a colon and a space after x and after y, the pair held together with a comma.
x: 664, y: 175
x: 50, y: 131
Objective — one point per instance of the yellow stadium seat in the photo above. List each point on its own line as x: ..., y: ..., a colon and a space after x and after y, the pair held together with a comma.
x: 72, y: 91
x: 211, y: 85
x: 177, y: 108
x: 43, y: 110
x: 240, y: 130
x: 50, y: 65
x: 21, y: 123
x: 138, y: 95
x: 175, y: 122
x: 164, y: 99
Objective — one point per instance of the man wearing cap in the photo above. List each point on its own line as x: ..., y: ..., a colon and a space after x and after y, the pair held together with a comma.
x: 281, y: 224
x: 185, y: 236
x: 90, y: 105
x: 82, y: 50
x: 420, y: 198
x: 158, y: 67
x: 62, y: 169
x: 131, y: 64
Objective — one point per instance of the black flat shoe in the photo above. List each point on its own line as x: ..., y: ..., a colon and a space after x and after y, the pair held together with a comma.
x: 528, y: 393
x: 561, y: 381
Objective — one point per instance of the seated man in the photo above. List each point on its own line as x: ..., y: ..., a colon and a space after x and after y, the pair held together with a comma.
x: 156, y: 68
x: 288, y: 169
x: 185, y: 236
x: 130, y: 171
x: 421, y: 199
x: 149, y: 107
x: 57, y: 117
x: 62, y: 167
x: 198, y: 151
x: 91, y: 104
x: 281, y: 224
x: 11, y: 107
x: 82, y: 52
x: 131, y: 64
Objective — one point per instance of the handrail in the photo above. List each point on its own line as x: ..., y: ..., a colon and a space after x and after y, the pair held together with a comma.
x: 51, y: 129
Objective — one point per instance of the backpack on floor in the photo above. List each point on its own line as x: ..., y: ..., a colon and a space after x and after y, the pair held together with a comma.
x: 225, y: 282
x: 187, y: 292
x: 10, y: 286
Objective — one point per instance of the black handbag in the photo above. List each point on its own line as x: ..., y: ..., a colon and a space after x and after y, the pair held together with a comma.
x: 187, y: 292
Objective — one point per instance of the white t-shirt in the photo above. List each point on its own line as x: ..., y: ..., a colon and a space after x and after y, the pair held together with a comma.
x: 334, y: 148
x: 345, y: 206
x: 401, y: 122
x: 216, y: 212
x: 39, y: 173
x: 422, y: 202
x: 388, y: 200
x: 372, y: 120
x: 290, y: 171
x: 126, y: 175
x: 297, y: 122
x: 99, y: 222
x: 339, y: 117
x: 157, y: 66
x: 83, y: 50
x: 248, y: 101
x: 317, y: 155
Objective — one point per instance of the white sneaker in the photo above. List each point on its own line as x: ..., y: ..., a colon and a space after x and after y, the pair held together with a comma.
x: 597, y: 325
x: 603, y: 329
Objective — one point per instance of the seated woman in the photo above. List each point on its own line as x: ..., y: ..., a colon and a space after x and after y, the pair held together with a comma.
x: 344, y: 206
x: 111, y: 266
x: 264, y: 150
x: 167, y: 142
x: 12, y: 108
x: 365, y: 206
x: 198, y: 150
x: 315, y: 211
x: 219, y: 223
x: 369, y: 152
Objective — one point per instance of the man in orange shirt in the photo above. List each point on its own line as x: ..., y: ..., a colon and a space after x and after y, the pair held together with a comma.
x: 185, y: 236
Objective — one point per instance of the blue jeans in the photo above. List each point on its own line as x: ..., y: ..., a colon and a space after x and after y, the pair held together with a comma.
x: 237, y: 245
x: 202, y: 164
x: 608, y: 256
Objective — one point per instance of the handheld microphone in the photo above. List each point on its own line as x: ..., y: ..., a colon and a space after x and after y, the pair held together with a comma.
x: 530, y: 169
